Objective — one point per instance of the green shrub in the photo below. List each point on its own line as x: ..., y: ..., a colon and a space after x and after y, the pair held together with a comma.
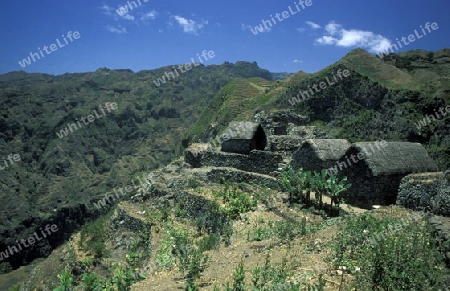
x: 66, y: 281
x: 180, y: 211
x: 287, y: 230
x: 123, y: 278
x: 236, y: 201
x: 93, y: 236
x: 239, y: 277
x: 215, y: 220
x: 191, y: 262
x: 193, y: 183
x: 274, y: 278
x: 388, y: 253
x: 165, y: 258
x: 209, y: 242
x: 269, y: 277
x: 91, y: 282
x: 261, y: 233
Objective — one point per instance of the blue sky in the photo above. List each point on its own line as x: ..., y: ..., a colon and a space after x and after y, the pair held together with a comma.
x: 158, y: 33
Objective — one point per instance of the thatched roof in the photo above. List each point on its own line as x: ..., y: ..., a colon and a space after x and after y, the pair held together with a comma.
x: 394, y: 157
x: 241, y: 130
x: 326, y: 149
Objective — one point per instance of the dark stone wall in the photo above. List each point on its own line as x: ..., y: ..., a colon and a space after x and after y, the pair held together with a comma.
x: 223, y: 175
x: 257, y: 161
x: 238, y: 146
x: 427, y: 192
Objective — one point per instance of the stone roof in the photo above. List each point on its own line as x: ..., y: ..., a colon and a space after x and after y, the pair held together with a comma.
x: 395, y: 157
x: 240, y: 130
x: 327, y: 149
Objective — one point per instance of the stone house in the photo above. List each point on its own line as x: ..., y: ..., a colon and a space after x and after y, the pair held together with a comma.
x: 243, y: 137
x: 376, y: 174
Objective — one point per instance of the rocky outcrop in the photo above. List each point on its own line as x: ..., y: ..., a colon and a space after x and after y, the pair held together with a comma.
x: 193, y: 155
x: 306, y: 132
x: 276, y: 123
x: 285, y: 143
x: 124, y: 218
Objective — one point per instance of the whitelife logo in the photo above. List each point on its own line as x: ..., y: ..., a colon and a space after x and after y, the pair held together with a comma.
x: 31, y: 241
x: 124, y: 9
x: 267, y: 24
x: 11, y: 158
x: 53, y: 48
x: 435, y: 116
x: 90, y: 118
x: 109, y: 198
x: 322, y: 85
x: 171, y: 74
x: 411, y: 38
x: 379, y: 145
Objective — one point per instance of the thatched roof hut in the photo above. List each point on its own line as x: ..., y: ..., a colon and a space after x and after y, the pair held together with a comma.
x: 376, y: 168
x: 243, y: 137
x: 318, y: 154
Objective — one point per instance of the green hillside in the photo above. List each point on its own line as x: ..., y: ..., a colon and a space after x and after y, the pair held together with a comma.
x: 61, y: 178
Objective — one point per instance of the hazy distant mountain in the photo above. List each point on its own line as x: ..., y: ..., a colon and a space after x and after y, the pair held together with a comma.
x: 280, y: 76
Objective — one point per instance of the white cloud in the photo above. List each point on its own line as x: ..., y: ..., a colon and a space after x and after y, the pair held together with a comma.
x: 246, y: 26
x: 118, y: 30
x: 128, y: 16
x: 337, y: 35
x: 108, y: 10
x: 326, y: 40
x: 261, y: 28
x: 332, y: 28
x: 297, y: 61
x: 112, y: 13
x: 150, y: 15
x: 313, y: 25
x: 190, y: 26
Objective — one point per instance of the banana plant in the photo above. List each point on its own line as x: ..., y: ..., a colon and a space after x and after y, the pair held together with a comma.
x: 319, y: 183
x: 294, y: 183
x: 336, y: 188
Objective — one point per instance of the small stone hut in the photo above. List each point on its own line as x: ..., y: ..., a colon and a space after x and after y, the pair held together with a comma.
x: 375, y: 170
x: 243, y: 137
x: 318, y: 154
